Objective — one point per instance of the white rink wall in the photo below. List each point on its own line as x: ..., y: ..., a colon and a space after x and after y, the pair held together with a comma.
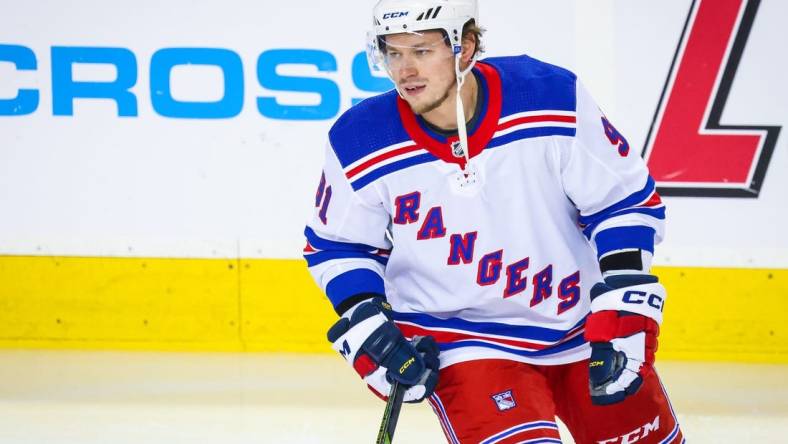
x: 89, y: 182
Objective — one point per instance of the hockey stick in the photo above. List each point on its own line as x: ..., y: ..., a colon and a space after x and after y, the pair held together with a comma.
x: 391, y: 414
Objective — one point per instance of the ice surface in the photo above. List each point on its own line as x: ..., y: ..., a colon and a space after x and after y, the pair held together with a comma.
x: 70, y: 397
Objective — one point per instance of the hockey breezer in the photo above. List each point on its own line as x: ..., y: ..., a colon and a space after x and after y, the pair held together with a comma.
x: 489, y: 227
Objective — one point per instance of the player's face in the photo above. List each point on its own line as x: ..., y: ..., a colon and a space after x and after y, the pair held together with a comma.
x: 422, y: 66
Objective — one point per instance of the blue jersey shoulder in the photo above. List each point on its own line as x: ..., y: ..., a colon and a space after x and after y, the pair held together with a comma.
x: 528, y: 84
x: 366, y: 127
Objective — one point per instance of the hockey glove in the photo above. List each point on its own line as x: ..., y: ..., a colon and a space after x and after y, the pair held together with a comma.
x: 370, y: 341
x: 626, y: 311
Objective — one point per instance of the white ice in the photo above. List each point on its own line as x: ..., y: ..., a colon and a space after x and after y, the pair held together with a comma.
x: 69, y: 397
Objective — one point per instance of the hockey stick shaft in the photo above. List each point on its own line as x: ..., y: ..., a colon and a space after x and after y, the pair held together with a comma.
x: 391, y: 414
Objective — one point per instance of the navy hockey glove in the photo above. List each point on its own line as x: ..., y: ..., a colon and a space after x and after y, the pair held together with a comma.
x: 626, y: 311
x: 370, y: 341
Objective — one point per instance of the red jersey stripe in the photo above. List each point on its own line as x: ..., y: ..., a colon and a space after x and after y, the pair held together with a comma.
x: 447, y: 336
x: 539, y: 118
x: 388, y: 155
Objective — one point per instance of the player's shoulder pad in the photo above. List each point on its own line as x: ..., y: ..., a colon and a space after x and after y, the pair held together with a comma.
x: 367, y: 127
x: 528, y: 84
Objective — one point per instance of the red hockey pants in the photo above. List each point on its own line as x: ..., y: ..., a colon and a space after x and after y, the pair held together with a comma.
x: 499, y: 401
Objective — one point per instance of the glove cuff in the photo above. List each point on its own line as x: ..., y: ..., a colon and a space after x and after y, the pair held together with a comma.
x: 349, y: 344
x: 644, y: 299
x: 346, y: 307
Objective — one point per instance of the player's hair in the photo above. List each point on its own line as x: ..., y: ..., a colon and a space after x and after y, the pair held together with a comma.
x: 470, y: 27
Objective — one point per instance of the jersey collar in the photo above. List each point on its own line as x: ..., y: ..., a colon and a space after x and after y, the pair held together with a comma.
x: 477, y: 140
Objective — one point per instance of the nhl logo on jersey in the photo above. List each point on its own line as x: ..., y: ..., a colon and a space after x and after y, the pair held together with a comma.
x: 504, y: 400
x: 456, y: 149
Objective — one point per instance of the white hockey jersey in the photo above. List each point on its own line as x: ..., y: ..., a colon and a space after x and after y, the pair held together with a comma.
x: 496, y: 262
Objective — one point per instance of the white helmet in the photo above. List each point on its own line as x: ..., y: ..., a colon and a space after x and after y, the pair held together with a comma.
x: 397, y: 16
x: 413, y: 16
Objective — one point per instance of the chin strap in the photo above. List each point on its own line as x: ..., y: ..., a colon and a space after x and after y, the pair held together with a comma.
x: 462, y: 131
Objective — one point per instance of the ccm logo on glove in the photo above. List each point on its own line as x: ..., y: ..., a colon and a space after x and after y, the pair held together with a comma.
x: 345, y: 349
x: 638, y: 297
x: 406, y: 365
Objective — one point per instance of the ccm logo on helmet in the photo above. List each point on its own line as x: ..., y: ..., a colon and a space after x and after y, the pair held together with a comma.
x: 639, y: 297
x: 391, y: 15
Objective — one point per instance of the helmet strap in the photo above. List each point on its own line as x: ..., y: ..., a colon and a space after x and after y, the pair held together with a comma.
x: 462, y: 131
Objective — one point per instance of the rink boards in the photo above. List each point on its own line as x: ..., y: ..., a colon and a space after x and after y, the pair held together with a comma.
x: 158, y: 162
x: 273, y: 305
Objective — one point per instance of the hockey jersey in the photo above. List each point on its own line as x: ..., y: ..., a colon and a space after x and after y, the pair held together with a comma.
x: 494, y: 259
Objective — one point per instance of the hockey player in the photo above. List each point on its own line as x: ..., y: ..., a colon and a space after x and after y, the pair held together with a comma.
x: 485, y: 234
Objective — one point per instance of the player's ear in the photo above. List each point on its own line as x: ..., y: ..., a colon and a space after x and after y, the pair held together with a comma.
x: 469, y: 45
